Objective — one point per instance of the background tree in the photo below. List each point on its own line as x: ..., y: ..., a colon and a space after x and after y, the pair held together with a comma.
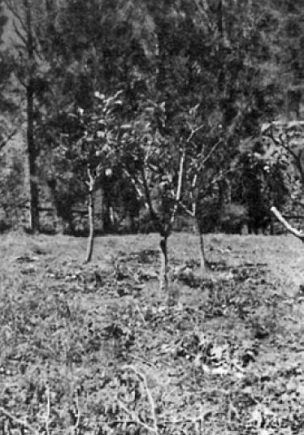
x: 220, y: 57
x: 90, y: 47
x: 7, y: 102
x: 29, y: 66
x: 287, y: 150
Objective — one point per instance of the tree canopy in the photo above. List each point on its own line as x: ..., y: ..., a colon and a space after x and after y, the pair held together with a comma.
x: 197, y: 78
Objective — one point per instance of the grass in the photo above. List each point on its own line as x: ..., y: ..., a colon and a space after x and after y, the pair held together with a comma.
x: 97, y: 349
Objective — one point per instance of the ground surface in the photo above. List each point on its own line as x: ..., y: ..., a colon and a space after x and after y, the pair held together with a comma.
x: 97, y: 349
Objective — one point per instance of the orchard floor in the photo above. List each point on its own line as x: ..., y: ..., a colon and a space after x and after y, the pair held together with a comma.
x: 94, y: 349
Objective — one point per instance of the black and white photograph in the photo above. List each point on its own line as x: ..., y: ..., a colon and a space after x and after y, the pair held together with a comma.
x: 151, y: 217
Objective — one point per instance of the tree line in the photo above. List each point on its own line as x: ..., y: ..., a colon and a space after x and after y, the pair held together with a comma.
x: 157, y: 106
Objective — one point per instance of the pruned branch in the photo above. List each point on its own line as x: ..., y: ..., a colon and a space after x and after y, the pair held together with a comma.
x: 289, y: 228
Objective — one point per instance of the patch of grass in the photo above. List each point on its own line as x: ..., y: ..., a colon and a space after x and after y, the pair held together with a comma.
x: 97, y: 349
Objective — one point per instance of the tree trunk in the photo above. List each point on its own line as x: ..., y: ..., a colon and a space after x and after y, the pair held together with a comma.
x: 164, y: 264
x: 99, y: 207
x: 203, y: 262
x: 33, y: 173
x: 90, y: 244
x: 107, y: 222
x: 31, y: 145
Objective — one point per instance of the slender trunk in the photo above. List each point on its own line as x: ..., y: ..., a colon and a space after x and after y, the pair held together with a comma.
x: 203, y: 261
x: 91, y: 187
x: 100, y: 206
x: 107, y: 223
x: 220, y: 28
x: 90, y: 244
x: 220, y: 18
x: 32, y: 155
x: 164, y: 264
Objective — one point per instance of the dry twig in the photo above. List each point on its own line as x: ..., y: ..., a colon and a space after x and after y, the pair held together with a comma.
x: 48, y: 410
x: 76, y: 425
x: 135, y: 418
x: 18, y: 421
x: 142, y: 376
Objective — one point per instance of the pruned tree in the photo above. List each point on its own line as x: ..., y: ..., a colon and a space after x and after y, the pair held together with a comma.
x: 155, y: 162
x: 90, y: 147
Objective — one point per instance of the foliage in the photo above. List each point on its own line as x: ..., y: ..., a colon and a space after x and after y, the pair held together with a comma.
x: 260, y: 182
x: 285, y: 141
x: 7, y: 102
x: 11, y: 189
x: 203, y: 75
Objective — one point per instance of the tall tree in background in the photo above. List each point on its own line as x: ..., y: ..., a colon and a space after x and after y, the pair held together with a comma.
x: 26, y: 16
x: 290, y: 31
x: 90, y: 47
x: 7, y: 104
x: 219, y: 56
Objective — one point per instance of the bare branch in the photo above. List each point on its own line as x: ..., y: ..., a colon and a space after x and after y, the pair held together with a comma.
x: 150, y: 397
x: 186, y: 209
x: 179, y: 187
x: 16, y: 13
x: 20, y: 34
x: 135, y: 183
x: 135, y: 418
x: 289, y: 228
x: 211, y: 151
x: 202, y: 10
x: 8, y: 138
x: 193, y: 132
x: 151, y: 402
x: 154, y: 216
x: 18, y: 421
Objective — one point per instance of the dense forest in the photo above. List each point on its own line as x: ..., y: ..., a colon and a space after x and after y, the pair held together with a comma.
x: 139, y: 115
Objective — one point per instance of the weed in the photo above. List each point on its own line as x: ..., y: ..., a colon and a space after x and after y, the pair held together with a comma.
x: 98, y: 350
